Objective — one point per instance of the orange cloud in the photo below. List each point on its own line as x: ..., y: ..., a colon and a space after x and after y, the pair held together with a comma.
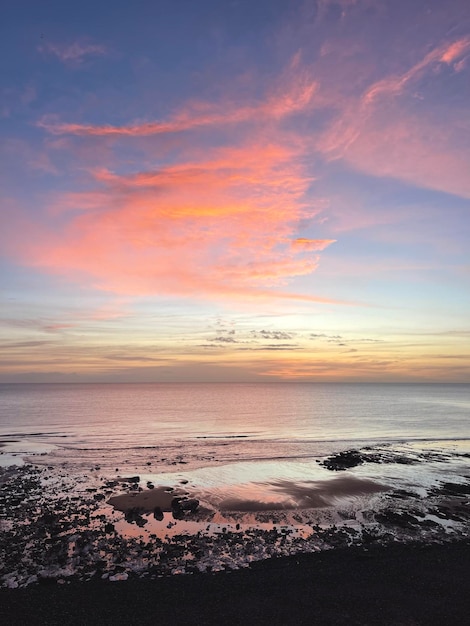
x: 312, y: 244
x: 455, y: 50
x: 219, y: 227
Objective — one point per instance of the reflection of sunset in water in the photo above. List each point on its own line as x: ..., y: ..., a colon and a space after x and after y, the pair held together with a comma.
x: 284, y: 494
x: 169, y: 527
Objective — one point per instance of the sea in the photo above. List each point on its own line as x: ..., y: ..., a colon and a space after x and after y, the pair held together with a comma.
x: 205, y: 424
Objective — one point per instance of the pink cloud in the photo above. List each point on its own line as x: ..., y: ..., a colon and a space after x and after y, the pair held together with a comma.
x: 447, y: 53
x: 285, y: 100
x: 394, y: 144
x: 455, y: 50
x: 218, y: 227
x: 380, y: 134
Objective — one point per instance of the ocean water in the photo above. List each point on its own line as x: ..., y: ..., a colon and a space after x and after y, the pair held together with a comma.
x: 202, y: 424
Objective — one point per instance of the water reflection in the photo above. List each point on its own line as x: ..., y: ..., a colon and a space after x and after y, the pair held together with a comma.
x: 168, y: 527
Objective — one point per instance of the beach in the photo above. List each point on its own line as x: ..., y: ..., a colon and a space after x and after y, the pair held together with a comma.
x: 411, y: 585
x: 344, y: 550
x: 231, y: 527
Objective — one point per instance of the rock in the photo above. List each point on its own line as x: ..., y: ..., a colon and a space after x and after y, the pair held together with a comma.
x: 132, y: 479
x: 158, y: 513
x: 400, y: 519
x: 134, y: 516
x: 343, y: 460
x: 402, y: 494
x: 11, y: 583
x: 119, y: 576
x: 192, y: 504
x: 179, y: 505
x: 455, y: 489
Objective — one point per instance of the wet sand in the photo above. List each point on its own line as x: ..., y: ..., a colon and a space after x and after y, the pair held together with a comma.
x: 411, y: 585
x: 307, y: 495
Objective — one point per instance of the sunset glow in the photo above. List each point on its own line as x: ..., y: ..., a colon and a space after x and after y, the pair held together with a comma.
x: 235, y: 191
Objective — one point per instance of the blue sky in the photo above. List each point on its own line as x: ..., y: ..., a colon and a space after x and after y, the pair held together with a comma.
x: 235, y: 191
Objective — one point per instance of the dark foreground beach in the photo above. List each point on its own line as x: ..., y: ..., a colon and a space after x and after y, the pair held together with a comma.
x: 401, y: 585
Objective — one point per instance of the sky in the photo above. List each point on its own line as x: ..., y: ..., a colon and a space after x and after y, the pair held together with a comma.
x: 235, y: 191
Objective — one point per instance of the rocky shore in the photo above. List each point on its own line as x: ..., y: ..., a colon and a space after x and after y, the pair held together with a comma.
x: 63, y: 528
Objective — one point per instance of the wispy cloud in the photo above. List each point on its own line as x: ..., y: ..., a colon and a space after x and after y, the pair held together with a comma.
x: 286, y: 98
x: 448, y: 53
x: 279, y: 335
x: 272, y: 347
x: 224, y: 339
x: 132, y: 357
x: 312, y: 244
x: 24, y: 344
x: 74, y: 53
x: 383, y: 132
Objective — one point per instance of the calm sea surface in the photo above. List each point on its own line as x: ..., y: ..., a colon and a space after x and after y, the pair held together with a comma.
x: 116, y: 416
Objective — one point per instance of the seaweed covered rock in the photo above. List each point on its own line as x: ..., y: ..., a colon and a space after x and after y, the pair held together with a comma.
x: 343, y: 460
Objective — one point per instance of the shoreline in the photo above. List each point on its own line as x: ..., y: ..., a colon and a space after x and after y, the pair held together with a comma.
x: 57, y: 526
x: 412, y: 585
